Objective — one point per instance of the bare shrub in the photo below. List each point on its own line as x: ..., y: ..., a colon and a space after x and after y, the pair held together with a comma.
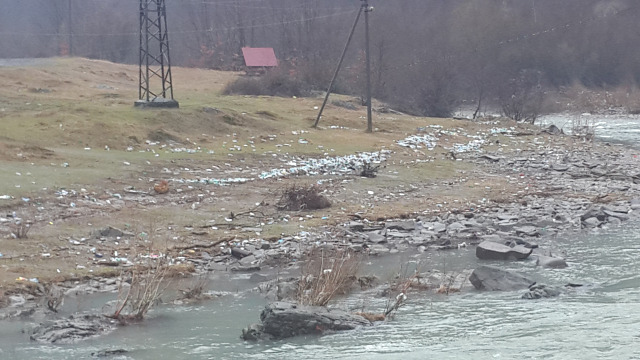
x: 20, y: 229
x: 276, y: 82
x: 369, y: 171
x: 583, y: 126
x: 144, y: 291
x: 521, y: 98
x: 403, y: 282
x: 327, y: 274
x: 447, y: 285
x: 245, y: 86
x: 54, y: 297
x: 303, y: 197
x: 195, y: 290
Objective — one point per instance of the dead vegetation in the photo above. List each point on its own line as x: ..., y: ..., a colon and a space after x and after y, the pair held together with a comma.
x: 327, y: 274
x: 54, y: 297
x: 302, y: 197
x: 373, y: 317
x: 20, y: 229
x: 195, y: 290
x: 369, y: 171
x: 142, y: 291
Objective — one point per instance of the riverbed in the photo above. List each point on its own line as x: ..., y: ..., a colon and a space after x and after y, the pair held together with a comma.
x: 597, y: 321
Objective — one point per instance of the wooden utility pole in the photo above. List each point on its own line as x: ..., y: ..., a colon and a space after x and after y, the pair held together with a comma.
x: 367, y: 9
x: 69, y: 30
x: 335, y: 74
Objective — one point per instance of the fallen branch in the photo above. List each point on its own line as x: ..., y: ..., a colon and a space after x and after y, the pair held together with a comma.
x: 203, y: 246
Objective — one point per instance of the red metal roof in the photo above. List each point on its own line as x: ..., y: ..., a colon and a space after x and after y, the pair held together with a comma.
x: 259, y: 57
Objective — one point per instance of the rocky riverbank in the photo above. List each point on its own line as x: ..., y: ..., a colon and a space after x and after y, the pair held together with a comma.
x: 554, y: 186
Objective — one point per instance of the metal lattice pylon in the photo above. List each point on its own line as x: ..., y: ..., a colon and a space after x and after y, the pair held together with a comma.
x: 155, y: 63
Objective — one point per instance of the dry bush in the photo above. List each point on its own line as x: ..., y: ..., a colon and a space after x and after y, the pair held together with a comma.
x: 407, y: 280
x: 327, y: 274
x: 404, y: 281
x: 195, y: 290
x: 583, y: 127
x: 276, y: 82
x: 54, y: 297
x: 303, y: 197
x: 521, y: 98
x: 20, y: 229
x: 144, y: 291
x: 369, y: 171
x: 447, y: 285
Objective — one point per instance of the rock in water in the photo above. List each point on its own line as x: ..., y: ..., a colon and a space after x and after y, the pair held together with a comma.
x: 540, y: 291
x: 282, y: 320
x: 72, y: 329
x: 551, y: 262
x: 495, y: 279
x: 109, y: 353
x: 489, y: 250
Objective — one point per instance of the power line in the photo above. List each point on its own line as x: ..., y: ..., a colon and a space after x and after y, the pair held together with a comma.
x: 279, y: 23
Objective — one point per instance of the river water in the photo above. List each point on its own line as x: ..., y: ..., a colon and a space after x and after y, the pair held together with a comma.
x: 619, y: 128
x: 600, y: 320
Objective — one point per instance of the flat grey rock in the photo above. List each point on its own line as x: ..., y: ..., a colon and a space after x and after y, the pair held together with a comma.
x: 72, y: 329
x: 489, y: 250
x: 403, y: 225
x: 494, y: 279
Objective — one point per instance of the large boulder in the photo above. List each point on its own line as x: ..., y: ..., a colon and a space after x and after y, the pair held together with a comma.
x: 282, y: 320
x: 72, y: 329
x: 489, y: 250
x: 494, y: 279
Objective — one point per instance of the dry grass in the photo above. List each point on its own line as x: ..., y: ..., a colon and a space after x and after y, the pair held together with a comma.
x: 327, y: 274
x: 45, y: 135
x: 373, y: 317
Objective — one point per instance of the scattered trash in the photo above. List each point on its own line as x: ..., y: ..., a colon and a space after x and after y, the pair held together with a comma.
x: 418, y: 142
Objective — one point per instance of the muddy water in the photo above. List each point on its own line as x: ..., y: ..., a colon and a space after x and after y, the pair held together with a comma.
x: 598, y: 321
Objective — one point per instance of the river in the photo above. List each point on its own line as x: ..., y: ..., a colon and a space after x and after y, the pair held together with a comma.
x: 597, y: 321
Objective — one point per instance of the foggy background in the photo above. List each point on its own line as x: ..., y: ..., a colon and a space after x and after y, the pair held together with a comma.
x: 427, y: 55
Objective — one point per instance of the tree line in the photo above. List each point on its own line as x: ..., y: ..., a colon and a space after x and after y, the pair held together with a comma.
x: 428, y: 56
